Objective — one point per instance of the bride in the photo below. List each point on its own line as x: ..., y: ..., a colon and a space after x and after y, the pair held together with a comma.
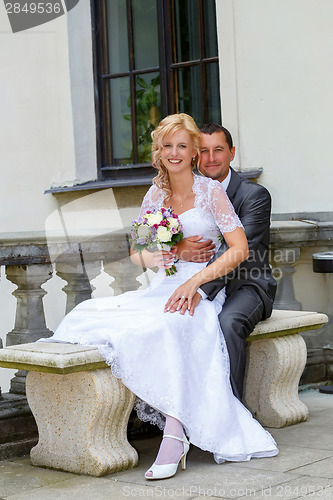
x: 177, y: 364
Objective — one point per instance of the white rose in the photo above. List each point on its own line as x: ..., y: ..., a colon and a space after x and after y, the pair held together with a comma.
x: 143, y: 231
x: 154, y: 218
x: 163, y: 234
x: 173, y: 222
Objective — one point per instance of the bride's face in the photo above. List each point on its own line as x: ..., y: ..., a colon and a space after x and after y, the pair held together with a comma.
x: 177, y: 151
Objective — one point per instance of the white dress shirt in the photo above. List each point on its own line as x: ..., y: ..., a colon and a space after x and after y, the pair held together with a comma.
x: 225, y: 184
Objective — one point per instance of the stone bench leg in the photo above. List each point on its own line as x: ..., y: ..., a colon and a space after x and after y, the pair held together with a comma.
x: 274, y: 368
x: 82, y: 422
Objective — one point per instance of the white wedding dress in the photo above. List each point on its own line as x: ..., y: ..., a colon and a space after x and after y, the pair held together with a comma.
x: 175, y: 364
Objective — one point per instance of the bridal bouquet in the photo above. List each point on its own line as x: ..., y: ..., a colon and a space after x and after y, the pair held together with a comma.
x: 157, y: 229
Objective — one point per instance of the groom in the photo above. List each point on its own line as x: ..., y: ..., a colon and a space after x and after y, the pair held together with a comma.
x: 250, y: 289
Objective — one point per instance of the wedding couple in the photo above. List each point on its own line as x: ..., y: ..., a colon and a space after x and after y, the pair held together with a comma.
x: 165, y: 342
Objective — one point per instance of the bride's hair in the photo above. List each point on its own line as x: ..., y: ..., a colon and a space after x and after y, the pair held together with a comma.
x: 169, y: 125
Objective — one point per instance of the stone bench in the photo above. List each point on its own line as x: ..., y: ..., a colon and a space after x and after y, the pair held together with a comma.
x: 276, y: 358
x: 82, y: 410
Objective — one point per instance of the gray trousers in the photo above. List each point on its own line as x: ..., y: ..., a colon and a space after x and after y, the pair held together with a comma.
x: 241, y: 312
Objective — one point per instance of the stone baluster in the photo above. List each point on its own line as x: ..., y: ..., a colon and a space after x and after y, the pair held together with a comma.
x: 78, y: 275
x: 125, y: 275
x: 284, y: 260
x: 1, y: 346
x: 30, y: 318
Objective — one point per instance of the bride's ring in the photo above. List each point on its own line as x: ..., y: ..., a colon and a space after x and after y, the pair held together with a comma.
x: 183, y: 297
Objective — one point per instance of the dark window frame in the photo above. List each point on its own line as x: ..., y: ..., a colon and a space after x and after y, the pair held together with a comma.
x: 137, y: 173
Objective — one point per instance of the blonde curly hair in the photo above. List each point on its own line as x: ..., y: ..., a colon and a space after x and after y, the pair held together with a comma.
x: 169, y: 125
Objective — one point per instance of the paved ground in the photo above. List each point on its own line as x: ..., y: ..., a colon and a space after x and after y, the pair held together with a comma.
x: 303, y: 469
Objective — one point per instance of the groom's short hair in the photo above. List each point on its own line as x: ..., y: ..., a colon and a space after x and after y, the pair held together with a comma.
x: 211, y: 128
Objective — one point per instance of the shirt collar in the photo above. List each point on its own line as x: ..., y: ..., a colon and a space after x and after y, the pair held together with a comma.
x: 225, y: 182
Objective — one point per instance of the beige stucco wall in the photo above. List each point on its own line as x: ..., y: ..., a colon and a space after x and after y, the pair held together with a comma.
x: 47, y: 128
x: 276, y: 80
x: 36, y: 115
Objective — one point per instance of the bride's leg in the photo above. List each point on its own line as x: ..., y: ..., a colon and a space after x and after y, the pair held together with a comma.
x: 170, y: 449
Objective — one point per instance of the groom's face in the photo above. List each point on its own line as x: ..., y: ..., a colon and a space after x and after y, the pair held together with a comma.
x: 215, y: 155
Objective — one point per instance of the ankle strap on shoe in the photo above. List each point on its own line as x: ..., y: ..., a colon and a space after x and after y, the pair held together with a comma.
x: 183, y: 439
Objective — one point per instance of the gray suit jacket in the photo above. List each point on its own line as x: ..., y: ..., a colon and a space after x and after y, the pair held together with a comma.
x: 252, y: 204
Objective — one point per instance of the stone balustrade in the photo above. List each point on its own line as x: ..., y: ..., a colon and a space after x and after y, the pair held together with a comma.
x: 292, y: 244
x: 288, y: 238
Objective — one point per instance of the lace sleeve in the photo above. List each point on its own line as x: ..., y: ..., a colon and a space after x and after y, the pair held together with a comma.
x: 153, y: 199
x: 222, y: 209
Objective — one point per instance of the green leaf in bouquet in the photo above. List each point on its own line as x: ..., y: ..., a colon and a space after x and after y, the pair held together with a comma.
x: 177, y: 238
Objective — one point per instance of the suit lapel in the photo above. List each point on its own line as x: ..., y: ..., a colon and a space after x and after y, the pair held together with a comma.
x: 234, y: 183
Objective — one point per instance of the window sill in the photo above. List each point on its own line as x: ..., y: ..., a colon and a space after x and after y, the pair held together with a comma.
x: 144, y: 180
x: 103, y: 184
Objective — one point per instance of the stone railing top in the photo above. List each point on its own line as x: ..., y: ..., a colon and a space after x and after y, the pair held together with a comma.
x: 40, y: 248
x: 52, y: 357
x: 301, y: 232
x: 285, y: 322
x: 111, y: 244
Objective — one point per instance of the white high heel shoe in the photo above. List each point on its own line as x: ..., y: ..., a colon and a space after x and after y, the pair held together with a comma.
x: 169, y: 470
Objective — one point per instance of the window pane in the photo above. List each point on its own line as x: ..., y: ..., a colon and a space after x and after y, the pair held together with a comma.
x: 188, y: 92
x: 210, y: 29
x: 121, y: 121
x: 117, y: 36
x: 148, y: 111
x: 151, y: 35
x: 213, y: 93
x: 186, y: 22
x: 145, y: 35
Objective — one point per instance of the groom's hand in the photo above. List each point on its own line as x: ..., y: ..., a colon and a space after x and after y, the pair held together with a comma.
x: 193, y: 249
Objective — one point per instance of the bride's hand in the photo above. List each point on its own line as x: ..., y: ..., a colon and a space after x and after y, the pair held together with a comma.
x: 184, y: 293
x: 163, y: 259
x: 183, y: 308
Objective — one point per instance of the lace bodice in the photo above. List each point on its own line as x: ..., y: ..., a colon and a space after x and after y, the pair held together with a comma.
x: 213, y: 207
